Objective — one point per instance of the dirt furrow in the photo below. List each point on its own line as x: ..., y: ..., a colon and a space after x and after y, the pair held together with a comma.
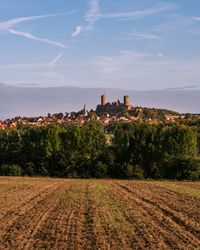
x: 116, y: 229
x: 19, y: 226
x: 172, y: 206
x: 180, y: 202
x: 146, y: 229
x: 20, y: 198
x: 176, y: 232
x: 74, y: 214
x: 88, y: 222
x: 50, y: 228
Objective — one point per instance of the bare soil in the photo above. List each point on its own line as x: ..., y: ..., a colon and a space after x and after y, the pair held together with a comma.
x: 44, y: 213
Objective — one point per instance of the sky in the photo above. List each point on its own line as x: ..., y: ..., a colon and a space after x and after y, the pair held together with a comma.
x: 127, y: 44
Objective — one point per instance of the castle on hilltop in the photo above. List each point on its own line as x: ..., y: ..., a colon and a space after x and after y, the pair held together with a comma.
x: 114, y: 107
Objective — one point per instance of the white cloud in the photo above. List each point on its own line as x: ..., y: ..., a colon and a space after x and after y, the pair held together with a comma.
x: 77, y: 31
x: 144, y: 36
x: 32, y: 37
x: 12, y: 22
x: 196, y: 18
x: 80, y: 29
x: 140, y: 13
x: 92, y: 15
x: 42, y: 69
x: 31, y: 83
x: 58, y: 76
x: 54, y: 62
x: 194, y: 32
x: 138, y: 70
x: 94, y: 12
x: 115, y: 64
x: 23, y: 66
x: 126, y: 69
x: 160, y: 55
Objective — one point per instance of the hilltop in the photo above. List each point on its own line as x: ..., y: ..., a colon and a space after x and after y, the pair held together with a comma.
x: 35, y: 101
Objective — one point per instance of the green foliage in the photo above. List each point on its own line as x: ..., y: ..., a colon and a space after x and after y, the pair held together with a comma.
x: 137, y: 145
x: 29, y: 169
x: 10, y: 146
x: 182, y: 169
x: 152, y: 113
x: 179, y: 141
x: 139, y: 150
x: 131, y: 172
x: 10, y: 170
x: 152, y: 146
x: 100, y: 170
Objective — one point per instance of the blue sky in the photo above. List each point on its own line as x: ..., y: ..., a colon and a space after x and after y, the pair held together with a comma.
x: 128, y: 44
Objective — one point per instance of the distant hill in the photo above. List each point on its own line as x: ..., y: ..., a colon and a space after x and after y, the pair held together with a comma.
x: 31, y: 101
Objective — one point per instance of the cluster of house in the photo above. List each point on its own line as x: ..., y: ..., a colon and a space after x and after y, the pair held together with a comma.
x: 105, y: 113
x: 69, y: 118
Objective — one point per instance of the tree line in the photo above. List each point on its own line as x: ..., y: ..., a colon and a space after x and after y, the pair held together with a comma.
x: 122, y: 150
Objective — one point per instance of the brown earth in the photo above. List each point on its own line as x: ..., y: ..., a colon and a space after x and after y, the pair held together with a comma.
x: 38, y: 213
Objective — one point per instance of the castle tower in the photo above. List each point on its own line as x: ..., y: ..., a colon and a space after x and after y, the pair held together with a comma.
x: 103, y: 100
x: 126, y: 100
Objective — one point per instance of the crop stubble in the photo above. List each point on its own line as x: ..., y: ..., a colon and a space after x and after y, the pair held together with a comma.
x: 38, y: 213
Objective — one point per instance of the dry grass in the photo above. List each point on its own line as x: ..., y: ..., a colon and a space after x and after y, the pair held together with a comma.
x: 38, y: 213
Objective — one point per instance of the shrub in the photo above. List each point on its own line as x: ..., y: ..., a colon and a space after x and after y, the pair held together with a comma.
x: 10, y: 170
x: 100, y: 170
x: 131, y: 172
x: 183, y: 169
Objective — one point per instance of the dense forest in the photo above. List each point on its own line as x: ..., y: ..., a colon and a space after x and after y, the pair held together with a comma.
x: 121, y: 150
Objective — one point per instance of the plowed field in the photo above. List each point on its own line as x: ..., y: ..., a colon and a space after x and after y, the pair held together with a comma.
x: 38, y: 213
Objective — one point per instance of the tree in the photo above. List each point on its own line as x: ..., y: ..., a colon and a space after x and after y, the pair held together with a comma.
x: 179, y: 149
x: 179, y: 141
x: 137, y: 145
x: 82, y: 145
x: 10, y: 146
x: 10, y: 170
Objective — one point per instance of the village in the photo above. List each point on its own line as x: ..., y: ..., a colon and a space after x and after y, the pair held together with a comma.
x: 105, y: 113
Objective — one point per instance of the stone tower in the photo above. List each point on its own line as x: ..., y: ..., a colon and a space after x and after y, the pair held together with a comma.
x: 103, y: 100
x: 126, y: 100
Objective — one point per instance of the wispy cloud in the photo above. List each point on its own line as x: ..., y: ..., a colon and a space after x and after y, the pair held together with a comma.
x: 12, y: 22
x: 77, y: 31
x: 54, y: 62
x: 94, y: 13
x: 127, y: 68
x: 42, y: 66
x: 115, y: 64
x: 144, y: 36
x: 58, y: 76
x: 30, y: 83
x: 135, y: 69
x: 196, y: 18
x: 188, y: 87
x: 7, y: 26
x: 81, y: 29
x: 194, y: 32
x: 160, y: 55
x: 140, y: 13
x: 33, y: 37
x: 24, y: 66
